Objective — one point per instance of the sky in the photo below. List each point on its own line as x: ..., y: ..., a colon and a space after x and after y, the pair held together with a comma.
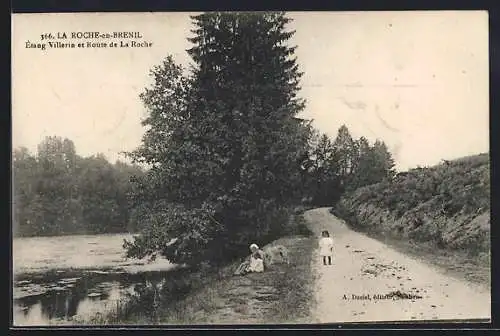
x: 416, y: 80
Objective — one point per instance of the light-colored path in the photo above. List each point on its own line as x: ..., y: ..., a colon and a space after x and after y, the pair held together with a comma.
x: 363, y: 266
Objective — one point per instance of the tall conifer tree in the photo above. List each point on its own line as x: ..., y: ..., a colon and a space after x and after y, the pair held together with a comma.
x: 230, y: 160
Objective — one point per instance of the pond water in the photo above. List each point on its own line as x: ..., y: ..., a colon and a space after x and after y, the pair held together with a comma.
x: 59, y: 280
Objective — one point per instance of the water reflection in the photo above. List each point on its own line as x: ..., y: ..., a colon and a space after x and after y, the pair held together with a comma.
x: 52, y: 300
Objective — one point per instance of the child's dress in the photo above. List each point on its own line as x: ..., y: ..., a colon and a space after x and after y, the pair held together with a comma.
x: 256, y: 265
x: 326, y: 247
x: 257, y: 262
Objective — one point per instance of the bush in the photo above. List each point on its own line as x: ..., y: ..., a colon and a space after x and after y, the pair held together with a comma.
x: 443, y: 204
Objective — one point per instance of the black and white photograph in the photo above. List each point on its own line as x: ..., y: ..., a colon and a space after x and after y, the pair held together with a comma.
x: 249, y: 168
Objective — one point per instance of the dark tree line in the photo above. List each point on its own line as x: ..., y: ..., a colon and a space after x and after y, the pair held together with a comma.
x: 59, y: 192
x: 343, y: 165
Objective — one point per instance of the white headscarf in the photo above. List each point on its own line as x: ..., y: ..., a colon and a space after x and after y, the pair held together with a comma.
x: 254, y: 246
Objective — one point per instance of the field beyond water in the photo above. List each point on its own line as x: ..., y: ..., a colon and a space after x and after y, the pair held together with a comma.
x: 282, y: 294
x: 440, y: 214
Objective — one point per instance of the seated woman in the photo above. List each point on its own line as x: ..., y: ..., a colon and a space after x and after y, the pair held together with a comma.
x: 256, y: 259
x: 254, y: 264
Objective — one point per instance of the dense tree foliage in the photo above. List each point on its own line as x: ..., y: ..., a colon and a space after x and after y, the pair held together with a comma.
x: 343, y: 165
x: 223, y: 141
x: 57, y: 191
x: 323, y: 182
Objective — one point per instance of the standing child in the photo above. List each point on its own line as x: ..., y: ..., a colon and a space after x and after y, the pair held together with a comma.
x: 326, y: 247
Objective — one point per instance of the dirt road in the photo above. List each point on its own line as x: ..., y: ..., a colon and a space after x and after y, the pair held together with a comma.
x: 369, y: 282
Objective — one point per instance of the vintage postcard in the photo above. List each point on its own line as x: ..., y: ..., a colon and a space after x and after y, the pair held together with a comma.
x: 250, y: 168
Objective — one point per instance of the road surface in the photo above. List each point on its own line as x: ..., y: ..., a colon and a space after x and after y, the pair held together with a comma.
x: 371, y: 282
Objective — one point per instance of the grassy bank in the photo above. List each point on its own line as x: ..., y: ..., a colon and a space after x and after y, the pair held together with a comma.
x: 282, y: 294
x: 440, y: 214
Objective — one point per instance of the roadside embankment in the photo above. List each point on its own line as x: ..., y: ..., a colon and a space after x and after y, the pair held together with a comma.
x: 440, y: 213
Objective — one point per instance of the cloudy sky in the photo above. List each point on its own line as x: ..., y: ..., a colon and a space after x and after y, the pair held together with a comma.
x: 417, y: 80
